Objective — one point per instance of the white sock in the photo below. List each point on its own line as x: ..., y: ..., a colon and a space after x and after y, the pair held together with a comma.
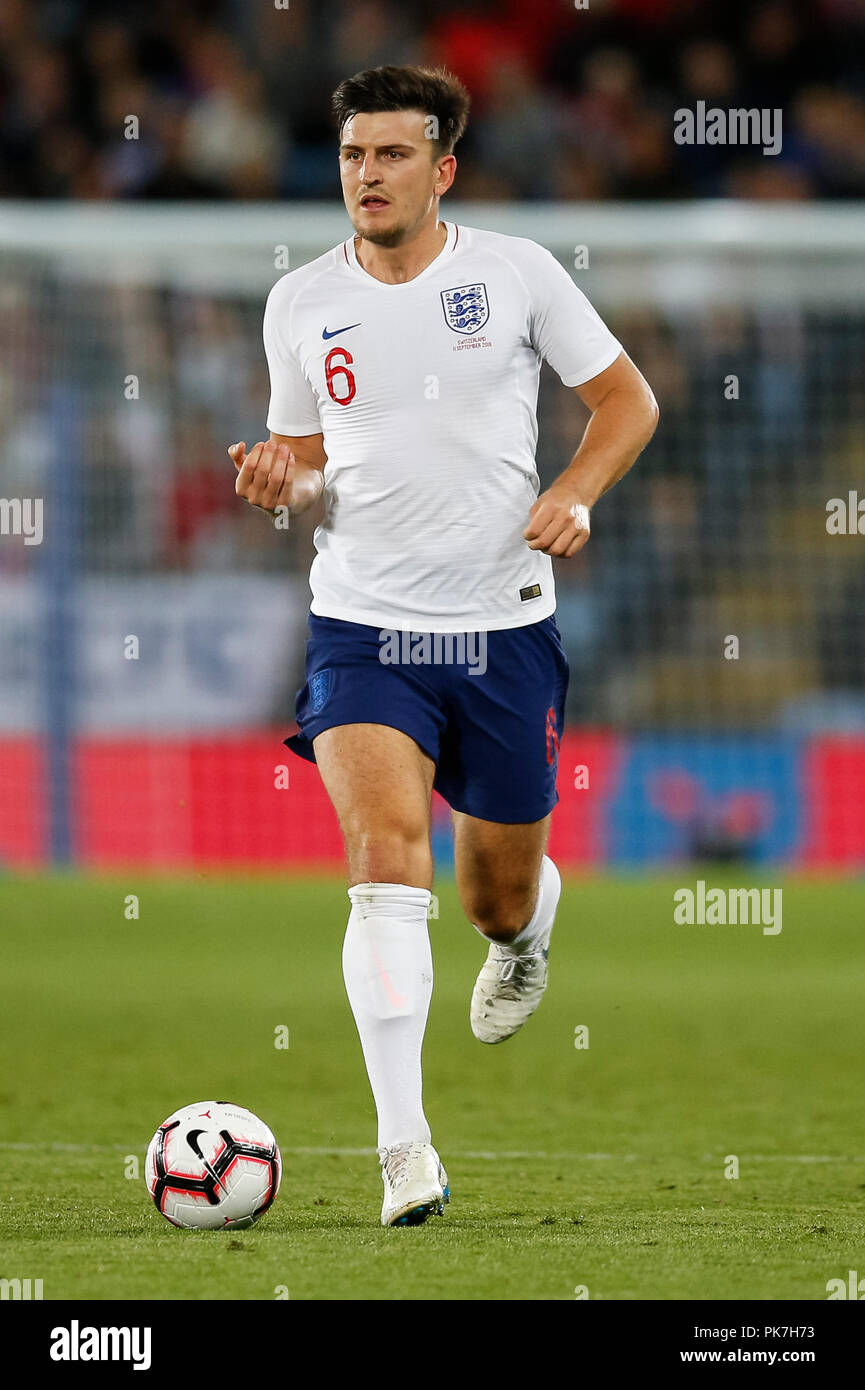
x: 540, y: 925
x: 387, y: 967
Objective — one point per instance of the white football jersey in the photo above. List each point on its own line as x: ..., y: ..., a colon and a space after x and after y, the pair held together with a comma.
x: 426, y: 393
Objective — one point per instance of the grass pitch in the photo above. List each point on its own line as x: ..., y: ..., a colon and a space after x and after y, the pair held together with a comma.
x: 597, y: 1169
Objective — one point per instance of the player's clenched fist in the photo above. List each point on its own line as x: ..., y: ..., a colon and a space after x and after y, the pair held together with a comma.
x: 264, y: 476
x: 270, y: 477
x: 557, y: 524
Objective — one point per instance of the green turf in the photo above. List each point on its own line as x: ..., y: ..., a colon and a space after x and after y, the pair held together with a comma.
x: 601, y: 1168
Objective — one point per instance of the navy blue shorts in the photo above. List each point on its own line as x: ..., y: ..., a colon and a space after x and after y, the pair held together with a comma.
x: 493, y: 733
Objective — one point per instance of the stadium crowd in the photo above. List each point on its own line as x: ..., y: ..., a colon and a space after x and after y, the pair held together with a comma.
x: 570, y: 100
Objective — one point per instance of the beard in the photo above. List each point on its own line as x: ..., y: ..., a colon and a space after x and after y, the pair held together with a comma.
x: 393, y: 237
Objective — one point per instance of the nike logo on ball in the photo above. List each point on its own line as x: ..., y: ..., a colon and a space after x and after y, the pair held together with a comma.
x: 337, y: 331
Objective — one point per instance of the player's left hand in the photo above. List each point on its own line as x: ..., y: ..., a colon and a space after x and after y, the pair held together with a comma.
x: 558, y: 524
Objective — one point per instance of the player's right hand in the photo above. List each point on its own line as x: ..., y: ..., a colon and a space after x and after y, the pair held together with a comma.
x: 265, y: 476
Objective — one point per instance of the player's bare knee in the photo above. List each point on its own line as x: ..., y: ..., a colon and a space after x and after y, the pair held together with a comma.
x: 389, y: 856
x: 503, y: 918
x: 499, y: 929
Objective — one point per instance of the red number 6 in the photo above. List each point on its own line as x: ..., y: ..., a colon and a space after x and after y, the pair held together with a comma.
x: 340, y: 370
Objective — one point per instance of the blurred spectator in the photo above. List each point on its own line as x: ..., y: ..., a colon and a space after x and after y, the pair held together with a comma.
x: 231, y: 138
x: 512, y: 133
x: 200, y: 493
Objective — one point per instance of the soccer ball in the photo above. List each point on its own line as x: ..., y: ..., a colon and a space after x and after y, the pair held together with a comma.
x: 213, y: 1166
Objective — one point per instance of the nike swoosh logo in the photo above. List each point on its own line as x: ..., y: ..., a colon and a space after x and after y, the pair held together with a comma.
x: 192, y: 1141
x: 336, y: 332
x: 398, y: 1000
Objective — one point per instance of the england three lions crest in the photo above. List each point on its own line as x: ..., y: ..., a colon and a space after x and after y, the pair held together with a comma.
x: 466, y: 308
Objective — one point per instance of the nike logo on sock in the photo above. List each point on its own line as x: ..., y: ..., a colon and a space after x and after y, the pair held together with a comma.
x: 398, y: 1001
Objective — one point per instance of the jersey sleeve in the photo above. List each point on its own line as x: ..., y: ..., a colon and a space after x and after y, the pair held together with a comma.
x: 293, y: 409
x: 566, y: 330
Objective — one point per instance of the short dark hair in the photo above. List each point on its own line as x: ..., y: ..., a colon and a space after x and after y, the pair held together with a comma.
x: 433, y: 91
